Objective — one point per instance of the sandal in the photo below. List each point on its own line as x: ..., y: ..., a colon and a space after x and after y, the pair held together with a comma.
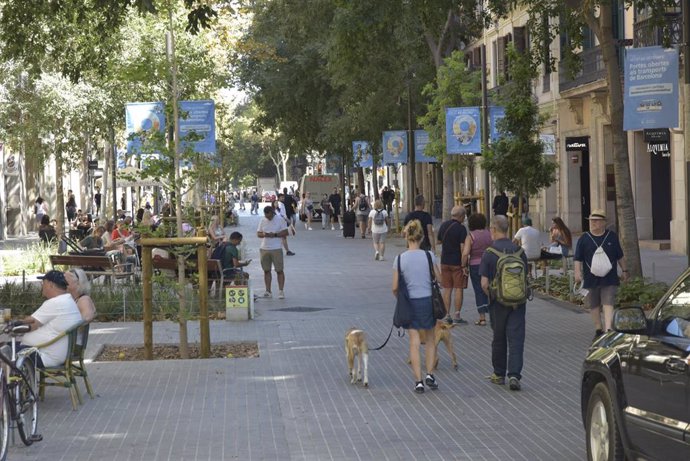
x: 480, y: 322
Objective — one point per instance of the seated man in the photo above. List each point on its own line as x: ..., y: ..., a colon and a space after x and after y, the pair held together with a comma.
x: 529, y: 239
x: 56, y: 315
x: 232, y: 265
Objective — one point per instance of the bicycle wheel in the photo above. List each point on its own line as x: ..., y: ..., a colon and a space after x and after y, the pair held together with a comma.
x: 26, y: 401
x: 4, y: 420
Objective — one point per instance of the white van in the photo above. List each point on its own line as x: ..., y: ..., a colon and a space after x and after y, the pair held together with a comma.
x: 317, y: 185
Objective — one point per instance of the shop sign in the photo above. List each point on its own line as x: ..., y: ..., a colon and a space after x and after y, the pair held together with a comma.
x: 577, y: 144
x: 658, y: 141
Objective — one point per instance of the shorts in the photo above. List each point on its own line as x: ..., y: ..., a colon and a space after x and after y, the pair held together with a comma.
x: 363, y: 218
x: 272, y: 257
x: 379, y: 237
x: 601, y: 296
x: 453, y: 277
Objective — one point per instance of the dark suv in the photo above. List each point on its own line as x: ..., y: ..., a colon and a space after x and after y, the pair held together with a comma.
x: 636, y: 383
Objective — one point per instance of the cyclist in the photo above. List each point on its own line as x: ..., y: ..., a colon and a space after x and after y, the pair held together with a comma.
x: 57, y: 314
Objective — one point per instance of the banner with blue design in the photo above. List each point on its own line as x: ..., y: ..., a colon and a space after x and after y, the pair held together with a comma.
x: 142, y: 118
x: 394, y: 147
x: 421, y: 139
x: 651, y: 88
x: 199, y: 118
x: 463, y: 130
x: 361, y: 154
x: 496, y: 113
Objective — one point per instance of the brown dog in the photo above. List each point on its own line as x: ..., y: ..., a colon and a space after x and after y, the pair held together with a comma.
x: 442, y: 332
x: 356, y: 345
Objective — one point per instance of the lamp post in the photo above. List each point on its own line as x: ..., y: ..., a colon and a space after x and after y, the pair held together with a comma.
x: 310, y: 167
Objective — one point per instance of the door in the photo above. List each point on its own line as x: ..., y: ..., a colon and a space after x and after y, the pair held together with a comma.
x: 584, y: 190
x: 661, y: 196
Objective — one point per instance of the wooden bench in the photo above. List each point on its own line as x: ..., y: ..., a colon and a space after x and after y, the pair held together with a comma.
x: 214, y: 268
x: 94, y: 266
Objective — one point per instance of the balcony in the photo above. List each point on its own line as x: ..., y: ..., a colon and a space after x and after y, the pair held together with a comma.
x: 646, y: 33
x: 592, y: 69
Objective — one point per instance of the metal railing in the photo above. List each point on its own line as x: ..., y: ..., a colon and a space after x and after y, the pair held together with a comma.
x: 592, y: 69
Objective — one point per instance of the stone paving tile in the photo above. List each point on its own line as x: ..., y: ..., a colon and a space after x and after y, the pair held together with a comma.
x: 295, y: 401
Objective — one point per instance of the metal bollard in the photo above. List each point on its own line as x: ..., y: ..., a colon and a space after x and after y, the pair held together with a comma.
x: 571, y: 285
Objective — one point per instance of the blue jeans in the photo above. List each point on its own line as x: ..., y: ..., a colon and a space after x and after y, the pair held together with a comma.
x: 508, y: 343
x: 479, y: 296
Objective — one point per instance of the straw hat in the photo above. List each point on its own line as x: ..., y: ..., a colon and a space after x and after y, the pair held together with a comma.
x: 597, y: 213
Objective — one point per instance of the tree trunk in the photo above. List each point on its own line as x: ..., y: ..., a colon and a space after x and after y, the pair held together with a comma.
x: 625, y: 205
x: 182, y: 314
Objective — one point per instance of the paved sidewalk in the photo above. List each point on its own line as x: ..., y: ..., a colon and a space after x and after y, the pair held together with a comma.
x: 295, y: 401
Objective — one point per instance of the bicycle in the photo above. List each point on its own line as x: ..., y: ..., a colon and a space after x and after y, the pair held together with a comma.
x: 19, y: 388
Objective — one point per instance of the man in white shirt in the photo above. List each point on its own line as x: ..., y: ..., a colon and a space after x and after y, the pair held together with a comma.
x: 271, y: 230
x: 56, y: 315
x: 529, y: 239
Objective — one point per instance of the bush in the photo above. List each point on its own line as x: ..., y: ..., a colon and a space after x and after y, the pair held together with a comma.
x: 119, y: 303
x: 635, y: 291
x: 34, y: 259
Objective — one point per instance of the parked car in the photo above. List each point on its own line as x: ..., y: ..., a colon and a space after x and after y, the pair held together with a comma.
x: 635, y: 393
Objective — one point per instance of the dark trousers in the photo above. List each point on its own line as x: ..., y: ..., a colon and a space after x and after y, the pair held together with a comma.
x: 508, y: 343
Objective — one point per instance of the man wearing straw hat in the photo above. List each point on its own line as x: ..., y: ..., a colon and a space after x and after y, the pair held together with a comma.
x: 602, y: 289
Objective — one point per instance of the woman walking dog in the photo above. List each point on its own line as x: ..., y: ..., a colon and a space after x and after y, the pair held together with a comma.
x: 414, y: 268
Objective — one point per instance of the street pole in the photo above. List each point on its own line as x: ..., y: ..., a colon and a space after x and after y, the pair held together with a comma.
x: 686, y: 119
x: 410, y: 152
x: 114, y: 171
x: 485, y: 133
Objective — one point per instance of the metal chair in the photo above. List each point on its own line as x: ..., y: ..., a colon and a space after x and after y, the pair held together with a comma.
x: 61, y: 375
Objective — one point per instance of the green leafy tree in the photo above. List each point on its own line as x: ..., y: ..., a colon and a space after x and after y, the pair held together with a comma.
x: 548, y: 20
x: 519, y: 147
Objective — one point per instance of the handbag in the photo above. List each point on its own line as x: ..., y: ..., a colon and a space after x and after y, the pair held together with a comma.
x: 402, y: 318
x: 437, y: 304
x: 555, y: 249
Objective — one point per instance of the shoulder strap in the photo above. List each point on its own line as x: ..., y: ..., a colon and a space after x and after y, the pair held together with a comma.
x: 431, y: 266
x: 447, y: 229
x: 493, y: 250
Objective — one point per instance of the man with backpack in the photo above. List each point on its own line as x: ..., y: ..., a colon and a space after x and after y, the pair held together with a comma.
x: 378, y: 223
x: 362, y: 210
x: 600, y: 251
x: 503, y: 269
x: 229, y: 255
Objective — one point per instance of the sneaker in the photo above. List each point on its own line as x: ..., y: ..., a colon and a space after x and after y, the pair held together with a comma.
x: 311, y: 228
x: 495, y: 379
x: 290, y: 253
x: 431, y: 382
x: 267, y: 294
x: 381, y: 258
x: 281, y: 294
x: 332, y: 227
x: 448, y: 319
x: 323, y: 228
x: 514, y: 383
x: 341, y: 227
x: 460, y: 321
x: 419, y: 387
x: 376, y: 256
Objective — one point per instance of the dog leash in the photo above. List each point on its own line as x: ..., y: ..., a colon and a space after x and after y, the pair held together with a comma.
x: 389, y: 337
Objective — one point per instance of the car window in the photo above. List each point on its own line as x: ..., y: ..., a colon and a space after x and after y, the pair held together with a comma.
x: 674, y: 315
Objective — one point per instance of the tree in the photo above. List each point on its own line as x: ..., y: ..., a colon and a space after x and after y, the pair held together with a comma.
x: 596, y: 15
x: 76, y: 36
x: 455, y: 86
x: 519, y: 147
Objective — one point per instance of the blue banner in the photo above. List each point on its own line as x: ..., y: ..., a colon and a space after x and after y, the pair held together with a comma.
x: 496, y: 113
x: 421, y: 139
x: 198, y: 117
x: 394, y: 147
x: 361, y: 154
x: 463, y: 130
x: 651, y: 88
x: 144, y: 118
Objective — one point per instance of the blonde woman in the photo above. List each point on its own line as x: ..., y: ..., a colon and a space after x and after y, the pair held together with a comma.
x: 79, y: 287
x: 216, y: 234
x: 414, y: 269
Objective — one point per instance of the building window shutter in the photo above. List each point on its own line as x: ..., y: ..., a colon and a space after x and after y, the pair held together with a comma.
x: 520, y: 39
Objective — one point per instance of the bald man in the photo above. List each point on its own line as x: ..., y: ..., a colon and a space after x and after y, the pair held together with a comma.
x: 451, y: 236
